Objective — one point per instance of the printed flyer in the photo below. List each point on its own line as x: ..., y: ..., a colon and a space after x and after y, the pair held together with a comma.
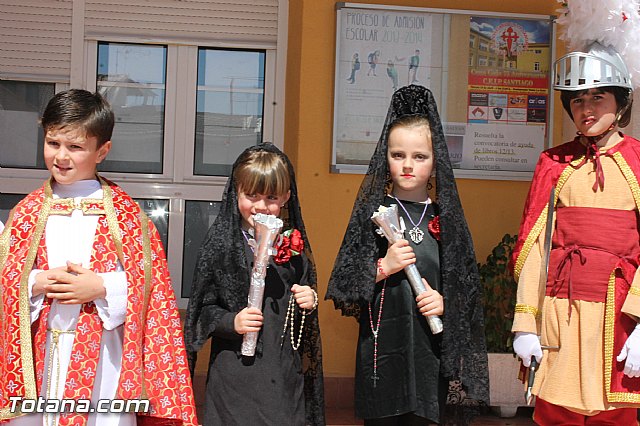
x: 508, y: 93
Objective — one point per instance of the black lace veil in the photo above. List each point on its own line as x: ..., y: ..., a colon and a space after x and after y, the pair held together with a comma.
x: 221, y: 280
x: 352, y: 281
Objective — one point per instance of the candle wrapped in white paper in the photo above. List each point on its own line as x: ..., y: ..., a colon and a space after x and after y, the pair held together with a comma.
x: 266, y: 230
x: 392, y: 228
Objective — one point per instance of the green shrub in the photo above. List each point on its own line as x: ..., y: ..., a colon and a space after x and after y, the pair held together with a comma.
x: 499, y: 296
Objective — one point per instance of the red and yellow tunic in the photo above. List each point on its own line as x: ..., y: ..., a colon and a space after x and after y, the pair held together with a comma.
x: 591, y: 299
x: 152, y: 331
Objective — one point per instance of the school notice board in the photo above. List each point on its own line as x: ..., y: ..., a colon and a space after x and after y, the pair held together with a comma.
x: 489, y: 73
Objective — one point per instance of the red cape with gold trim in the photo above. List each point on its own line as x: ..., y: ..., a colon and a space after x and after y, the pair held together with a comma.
x: 551, y: 165
x: 154, y: 363
x: 553, y: 168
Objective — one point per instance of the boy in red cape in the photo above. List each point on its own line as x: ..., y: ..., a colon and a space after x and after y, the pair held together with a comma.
x: 88, y: 318
x: 579, y: 319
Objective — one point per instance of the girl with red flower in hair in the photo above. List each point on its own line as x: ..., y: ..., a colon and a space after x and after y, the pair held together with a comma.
x: 282, y: 383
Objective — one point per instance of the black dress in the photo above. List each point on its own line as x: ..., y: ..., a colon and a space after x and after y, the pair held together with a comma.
x: 220, y: 290
x: 267, y: 389
x: 351, y: 287
x: 408, y: 355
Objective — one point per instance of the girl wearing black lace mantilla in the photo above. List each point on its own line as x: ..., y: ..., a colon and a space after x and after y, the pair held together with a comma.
x: 282, y: 383
x: 402, y: 368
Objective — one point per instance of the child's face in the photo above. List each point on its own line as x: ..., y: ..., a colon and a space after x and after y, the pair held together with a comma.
x: 250, y: 204
x: 71, y: 155
x: 594, y: 112
x: 410, y: 157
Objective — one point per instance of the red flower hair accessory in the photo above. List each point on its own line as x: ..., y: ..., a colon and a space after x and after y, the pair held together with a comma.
x: 434, y: 227
x: 291, y: 244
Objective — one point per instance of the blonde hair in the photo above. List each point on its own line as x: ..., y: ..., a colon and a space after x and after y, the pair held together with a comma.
x: 411, y: 121
x: 262, y: 172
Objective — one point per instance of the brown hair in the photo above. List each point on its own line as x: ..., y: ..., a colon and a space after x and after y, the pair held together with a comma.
x: 81, y: 109
x: 623, y: 97
x: 262, y: 172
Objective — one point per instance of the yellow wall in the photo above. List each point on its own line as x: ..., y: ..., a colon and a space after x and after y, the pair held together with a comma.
x: 527, y: 59
x: 492, y: 207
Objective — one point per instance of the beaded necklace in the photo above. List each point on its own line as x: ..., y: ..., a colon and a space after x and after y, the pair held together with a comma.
x: 416, y: 234
x: 375, y: 332
x: 291, y: 310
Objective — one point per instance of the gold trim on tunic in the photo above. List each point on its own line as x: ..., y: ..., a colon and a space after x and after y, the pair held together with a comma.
x: 629, y: 176
x: 527, y: 309
x: 542, y: 219
x: 88, y: 206
x: 148, y: 280
x: 112, y: 219
x: 624, y: 397
x: 26, y: 349
x: 609, y: 323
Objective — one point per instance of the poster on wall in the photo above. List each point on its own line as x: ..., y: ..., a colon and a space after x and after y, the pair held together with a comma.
x: 379, y: 52
x: 489, y: 73
x: 508, y: 93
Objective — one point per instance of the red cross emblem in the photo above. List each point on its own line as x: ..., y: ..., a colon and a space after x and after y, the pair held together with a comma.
x: 509, y: 36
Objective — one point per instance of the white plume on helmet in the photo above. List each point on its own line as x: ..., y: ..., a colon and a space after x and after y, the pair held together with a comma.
x: 604, y: 37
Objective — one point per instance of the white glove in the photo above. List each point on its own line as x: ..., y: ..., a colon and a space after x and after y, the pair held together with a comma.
x: 631, y: 352
x: 526, y: 345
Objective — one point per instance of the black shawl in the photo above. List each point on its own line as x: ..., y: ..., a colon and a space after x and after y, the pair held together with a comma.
x: 222, y: 279
x: 464, y: 355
